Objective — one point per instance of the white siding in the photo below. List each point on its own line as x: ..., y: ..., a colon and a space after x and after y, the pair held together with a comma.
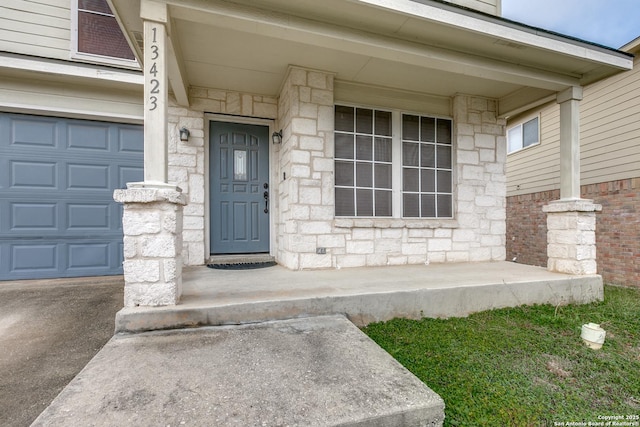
x: 70, y: 100
x: 36, y: 27
x: 609, y: 138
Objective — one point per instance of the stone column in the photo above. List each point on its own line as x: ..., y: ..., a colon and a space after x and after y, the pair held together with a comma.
x: 152, y: 215
x: 152, y: 225
x: 571, y: 221
x: 571, y: 236
x: 305, y: 190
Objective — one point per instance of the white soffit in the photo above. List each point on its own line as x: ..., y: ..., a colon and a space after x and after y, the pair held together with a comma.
x: 502, y: 29
x: 246, y: 45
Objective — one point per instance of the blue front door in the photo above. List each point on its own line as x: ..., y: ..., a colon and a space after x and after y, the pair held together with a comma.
x: 239, y: 168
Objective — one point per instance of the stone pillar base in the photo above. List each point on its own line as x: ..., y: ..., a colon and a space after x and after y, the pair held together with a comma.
x: 571, y: 236
x: 152, y: 225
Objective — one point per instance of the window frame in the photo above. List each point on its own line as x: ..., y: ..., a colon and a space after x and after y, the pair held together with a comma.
x: 397, y: 165
x: 520, y: 124
x: 93, y: 58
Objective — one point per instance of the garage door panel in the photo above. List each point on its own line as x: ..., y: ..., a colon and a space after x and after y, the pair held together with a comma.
x: 83, y: 176
x: 84, y: 216
x: 33, y: 217
x: 88, y: 255
x: 38, y: 132
x: 129, y: 139
x: 82, y: 137
x: 34, y: 257
x: 129, y: 174
x: 32, y: 174
x: 57, y: 213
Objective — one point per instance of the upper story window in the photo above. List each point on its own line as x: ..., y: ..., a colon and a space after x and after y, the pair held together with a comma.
x: 389, y: 164
x: 98, y: 37
x: 523, y: 135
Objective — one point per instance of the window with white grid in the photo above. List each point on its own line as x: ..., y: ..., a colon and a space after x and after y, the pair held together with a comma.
x: 363, y: 162
x: 390, y: 164
x: 427, y: 167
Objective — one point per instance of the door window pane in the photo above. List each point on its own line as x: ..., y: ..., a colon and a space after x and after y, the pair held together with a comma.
x: 239, y: 165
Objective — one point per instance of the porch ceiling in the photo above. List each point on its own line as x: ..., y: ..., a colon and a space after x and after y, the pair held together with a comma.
x: 427, y: 47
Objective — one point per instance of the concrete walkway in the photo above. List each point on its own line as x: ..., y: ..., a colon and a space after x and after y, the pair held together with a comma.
x: 363, y: 295
x: 319, y: 371
x: 49, y: 331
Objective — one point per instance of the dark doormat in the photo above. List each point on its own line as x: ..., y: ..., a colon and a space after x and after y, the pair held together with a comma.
x: 242, y: 266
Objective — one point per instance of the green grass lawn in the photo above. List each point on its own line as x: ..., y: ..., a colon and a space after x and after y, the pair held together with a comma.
x: 527, y: 365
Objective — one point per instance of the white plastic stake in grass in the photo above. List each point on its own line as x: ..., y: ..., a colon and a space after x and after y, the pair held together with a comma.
x: 593, y: 335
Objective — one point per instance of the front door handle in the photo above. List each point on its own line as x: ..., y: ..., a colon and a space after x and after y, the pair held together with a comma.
x: 266, y: 202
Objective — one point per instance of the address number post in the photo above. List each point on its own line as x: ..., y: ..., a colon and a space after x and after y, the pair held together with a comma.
x: 155, y: 102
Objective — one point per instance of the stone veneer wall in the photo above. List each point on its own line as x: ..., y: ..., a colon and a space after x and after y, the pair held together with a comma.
x: 187, y: 159
x: 306, y: 199
x: 481, y: 155
x: 303, y: 205
x: 307, y: 195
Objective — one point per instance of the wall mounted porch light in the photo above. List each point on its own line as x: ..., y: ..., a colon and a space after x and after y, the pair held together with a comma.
x: 276, y: 137
x: 184, y: 134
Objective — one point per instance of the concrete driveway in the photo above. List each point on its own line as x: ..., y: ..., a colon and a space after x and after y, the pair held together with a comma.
x: 49, y: 331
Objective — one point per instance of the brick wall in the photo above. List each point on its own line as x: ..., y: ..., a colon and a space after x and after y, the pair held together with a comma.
x: 617, y: 229
x: 527, y: 227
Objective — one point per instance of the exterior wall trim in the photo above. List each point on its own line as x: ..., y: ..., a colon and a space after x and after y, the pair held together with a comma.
x: 60, y: 68
x: 70, y: 113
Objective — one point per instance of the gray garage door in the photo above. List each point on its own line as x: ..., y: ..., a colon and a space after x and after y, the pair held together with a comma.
x: 57, y: 176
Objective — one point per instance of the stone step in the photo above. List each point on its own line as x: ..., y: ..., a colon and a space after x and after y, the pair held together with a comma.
x: 320, y: 371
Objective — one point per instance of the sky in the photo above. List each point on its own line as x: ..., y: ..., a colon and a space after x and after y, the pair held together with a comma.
x: 611, y: 23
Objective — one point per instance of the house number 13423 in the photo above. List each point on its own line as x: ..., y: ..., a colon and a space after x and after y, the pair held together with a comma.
x: 153, y: 70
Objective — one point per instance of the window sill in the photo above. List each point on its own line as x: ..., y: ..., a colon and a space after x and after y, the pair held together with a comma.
x: 88, y: 58
x: 394, y: 223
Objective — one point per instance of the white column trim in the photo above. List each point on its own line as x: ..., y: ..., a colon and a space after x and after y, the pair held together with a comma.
x: 155, y: 103
x: 569, y: 101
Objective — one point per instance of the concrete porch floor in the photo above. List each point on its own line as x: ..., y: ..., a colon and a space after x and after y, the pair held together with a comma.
x: 364, y: 295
